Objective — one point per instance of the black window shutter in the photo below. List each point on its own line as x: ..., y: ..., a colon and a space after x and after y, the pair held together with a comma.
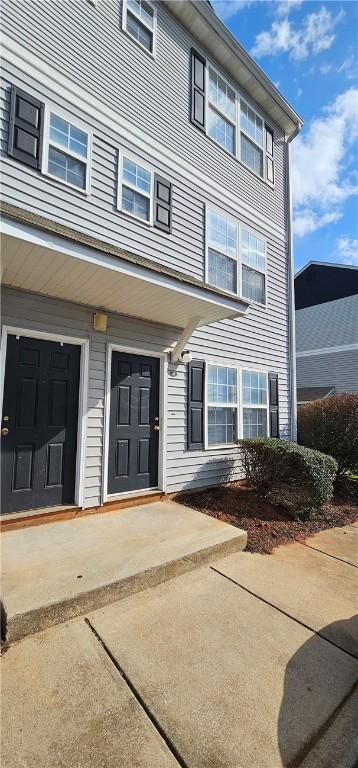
x: 197, y: 109
x: 270, y: 173
x: 25, y: 128
x: 273, y: 405
x: 196, y: 373
x: 162, y: 204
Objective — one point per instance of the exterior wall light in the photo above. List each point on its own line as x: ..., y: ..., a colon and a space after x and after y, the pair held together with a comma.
x: 186, y: 356
x: 100, y: 322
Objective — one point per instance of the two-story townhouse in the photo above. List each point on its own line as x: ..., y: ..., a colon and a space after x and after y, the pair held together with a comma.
x: 147, y: 260
x: 326, y: 302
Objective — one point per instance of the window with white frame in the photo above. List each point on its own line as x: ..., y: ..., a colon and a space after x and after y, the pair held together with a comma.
x: 221, y: 111
x: 251, y: 138
x: 254, y: 404
x: 222, y: 405
x: 67, y: 151
x: 253, y: 267
x: 135, y: 189
x: 139, y: 21
x: 222, y: 238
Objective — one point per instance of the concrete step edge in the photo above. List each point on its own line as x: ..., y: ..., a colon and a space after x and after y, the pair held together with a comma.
x: 31, y: 622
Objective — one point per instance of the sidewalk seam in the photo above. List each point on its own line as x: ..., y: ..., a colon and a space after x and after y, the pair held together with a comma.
x: 281, y: 610
x: 328, y: 554
x: 159, y: 728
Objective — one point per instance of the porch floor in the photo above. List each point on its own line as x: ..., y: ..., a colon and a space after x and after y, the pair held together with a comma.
x: 54, y: 572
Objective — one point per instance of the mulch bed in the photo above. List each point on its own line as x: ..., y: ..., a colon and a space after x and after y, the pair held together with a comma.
x: 268, y: 526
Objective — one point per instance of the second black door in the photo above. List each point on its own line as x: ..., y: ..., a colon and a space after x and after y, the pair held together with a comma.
x: 134, y: 423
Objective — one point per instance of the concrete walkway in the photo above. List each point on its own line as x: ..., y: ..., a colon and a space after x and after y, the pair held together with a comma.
x: 249, y: 662
x: 54, y: 572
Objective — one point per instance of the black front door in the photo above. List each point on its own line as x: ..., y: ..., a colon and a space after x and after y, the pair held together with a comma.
x: 134, y: 415
x: 39, y: 424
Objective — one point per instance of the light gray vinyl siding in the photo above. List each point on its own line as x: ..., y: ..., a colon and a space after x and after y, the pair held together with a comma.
x: 335, y: 369
x: 183, y: 468
x: 31, y: 311
x: 332, y: 324
x: 90, y: 48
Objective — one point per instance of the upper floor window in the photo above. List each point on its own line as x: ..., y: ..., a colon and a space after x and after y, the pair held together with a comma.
x: 219, y: 110
x: 253, y: 266
x: 251, y: 127
x: 139, y: 21
x: 135, y: 190
x: 222, y: 251
x: 66, y: 152
x: 226, y: 251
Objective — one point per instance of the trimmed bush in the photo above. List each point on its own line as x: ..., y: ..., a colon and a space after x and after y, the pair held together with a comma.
x: 289, y: 475
x: 331, y: 425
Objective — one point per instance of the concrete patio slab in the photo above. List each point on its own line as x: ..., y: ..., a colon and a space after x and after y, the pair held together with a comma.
x: 312, y: 587
x: 337, y: 542
x: 232, y: 681
x: 338, y: 745
x: 64, y: 704
x: 54, y: 572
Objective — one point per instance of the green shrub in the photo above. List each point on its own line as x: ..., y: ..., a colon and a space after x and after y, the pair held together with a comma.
x: 289, y: 475
x: 331, y: 425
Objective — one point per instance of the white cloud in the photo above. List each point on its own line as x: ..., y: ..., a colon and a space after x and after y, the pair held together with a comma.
x: 322, y: 174
x: 283, y: 7
x: 299, y: 92
x: 347, y: 250
x: 347, y: 64
x: 349, y: 67
x: 325, y: 68
x: 316, y: 34
x: 225, y: 9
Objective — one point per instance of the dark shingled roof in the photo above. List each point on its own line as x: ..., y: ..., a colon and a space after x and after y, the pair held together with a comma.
x: 306, y: 394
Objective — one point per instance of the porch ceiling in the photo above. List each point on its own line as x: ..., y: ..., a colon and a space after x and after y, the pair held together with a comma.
x: 38, y: 261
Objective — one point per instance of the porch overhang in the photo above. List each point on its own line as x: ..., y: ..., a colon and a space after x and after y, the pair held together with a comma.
x: 44, y: 262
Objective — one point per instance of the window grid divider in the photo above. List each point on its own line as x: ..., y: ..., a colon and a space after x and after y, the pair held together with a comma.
x: 47, y: 143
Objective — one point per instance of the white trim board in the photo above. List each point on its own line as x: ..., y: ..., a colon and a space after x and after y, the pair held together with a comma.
x: 18, y: 56
x: 83, y: 390
x: 327, y: 350
x: 163, y: 397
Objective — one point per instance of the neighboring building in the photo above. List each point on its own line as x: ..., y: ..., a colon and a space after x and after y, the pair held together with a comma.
x: 326, y: 297
x: 145, y: 212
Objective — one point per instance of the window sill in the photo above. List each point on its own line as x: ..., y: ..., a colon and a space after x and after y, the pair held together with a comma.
x: 86, y: 191
x: 135, y: 218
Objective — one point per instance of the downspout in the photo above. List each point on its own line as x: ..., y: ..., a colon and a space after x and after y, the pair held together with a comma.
x: 291, y: 289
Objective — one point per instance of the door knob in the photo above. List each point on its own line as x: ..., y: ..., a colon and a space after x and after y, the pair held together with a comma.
x: 156, y: 427
x: 4, y: 431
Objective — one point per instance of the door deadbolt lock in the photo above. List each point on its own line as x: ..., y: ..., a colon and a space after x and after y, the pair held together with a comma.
x: 4, y: 431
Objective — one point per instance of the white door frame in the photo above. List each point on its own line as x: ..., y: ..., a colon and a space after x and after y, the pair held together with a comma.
x: 83, y: 390
x: 163, y: 370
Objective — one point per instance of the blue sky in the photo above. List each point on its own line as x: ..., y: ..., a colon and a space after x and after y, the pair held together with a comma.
x: 310, y: 51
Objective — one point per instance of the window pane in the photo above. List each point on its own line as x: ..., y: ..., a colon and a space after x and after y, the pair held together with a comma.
x: 222, y: 384
x: 222, y: 234
x: 135, y: 203
x: 139, y: 32
x: 222, y: 271
x: 222, y: 95
x: 251, y: 123
x: 253, y: 285
x: 66, y: 168
x: 68, y: 135
x: 251, y: 155
x: 221, y: 425
x: 254, y: 422
x: 136, y: 175
x: 254, y: 388
x: 142, y: 9
x: 252, y: 250
x: 221, y: 130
